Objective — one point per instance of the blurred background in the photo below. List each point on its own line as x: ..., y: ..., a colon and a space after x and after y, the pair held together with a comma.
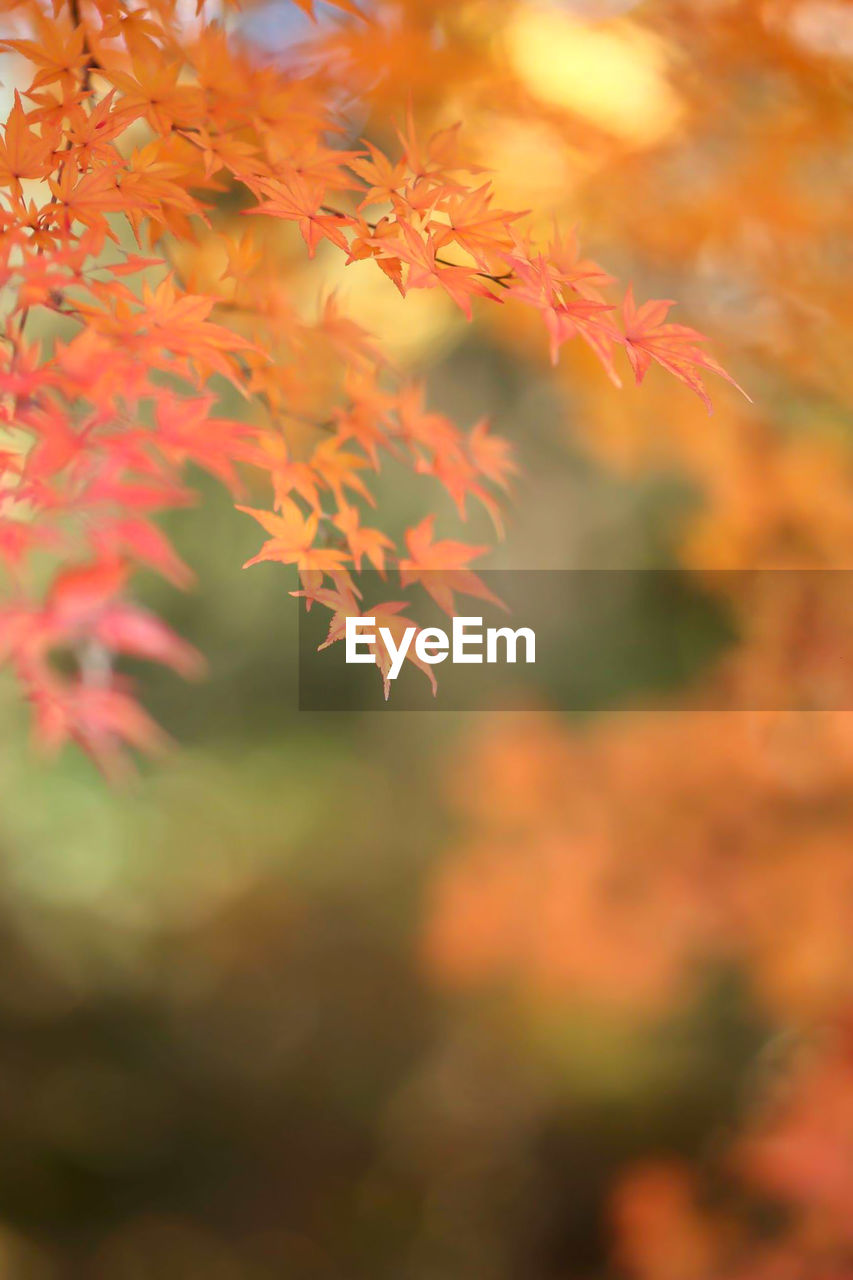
x: 435, y: 997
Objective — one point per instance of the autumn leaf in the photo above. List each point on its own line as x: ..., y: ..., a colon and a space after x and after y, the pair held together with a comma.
x: 648, y: 337
x: 362, y: 541
x: 23, y: 152
x: 440, y: 568
x: 387, y: 617
x: 292, y: 540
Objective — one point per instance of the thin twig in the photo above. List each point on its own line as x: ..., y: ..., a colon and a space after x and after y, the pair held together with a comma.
x: 502, y: 280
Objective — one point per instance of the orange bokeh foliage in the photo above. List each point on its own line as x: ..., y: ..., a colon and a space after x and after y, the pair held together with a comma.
x: 613, y: 864
x: 797, y: 1154
x: 603, y: 865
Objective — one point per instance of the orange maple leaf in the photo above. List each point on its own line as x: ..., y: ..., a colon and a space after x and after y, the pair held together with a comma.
x: 292, y: 540
x: 675, y: 347
x: 440, y: 568
x: 386, y: 616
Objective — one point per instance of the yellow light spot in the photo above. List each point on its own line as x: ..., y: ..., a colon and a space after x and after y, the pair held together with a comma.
x: 532, y: 165
x: 614, y: 76
x: 411, y: 328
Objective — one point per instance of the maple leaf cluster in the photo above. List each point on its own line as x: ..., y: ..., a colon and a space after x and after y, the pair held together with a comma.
x: 128, y: 126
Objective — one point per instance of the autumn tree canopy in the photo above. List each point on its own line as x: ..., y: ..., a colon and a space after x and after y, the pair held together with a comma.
x: 131, y: 127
